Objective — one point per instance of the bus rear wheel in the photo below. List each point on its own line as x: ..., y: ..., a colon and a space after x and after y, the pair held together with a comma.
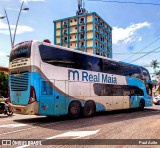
x: 141, y: 104
x: 74, y: 110
x: 89, y: 109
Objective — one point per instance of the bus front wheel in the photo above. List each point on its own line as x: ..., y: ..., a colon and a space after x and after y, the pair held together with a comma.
x: 74, y: 110
x: 89, y: 109
x: 141, y: 104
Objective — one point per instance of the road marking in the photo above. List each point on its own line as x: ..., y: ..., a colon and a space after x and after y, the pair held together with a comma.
x: 31, y: 128
x: 13, y: 125
x: 77, y: 134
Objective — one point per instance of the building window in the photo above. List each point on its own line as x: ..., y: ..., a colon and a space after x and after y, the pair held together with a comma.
x: 82, y: 44
x: 64, y: 23
x: 70, y: 37
x: 97, y: 36
x: 76, y: 44
x: 71, y: 21
x: 65, y: 32
x: 82, y: 20
x: 71, y: 44
x: 75, y: 20
x: 82, y: 36
x: 65, y: 38
x: 96, y: 28
x: 82, y: 28
x: 75, y: 28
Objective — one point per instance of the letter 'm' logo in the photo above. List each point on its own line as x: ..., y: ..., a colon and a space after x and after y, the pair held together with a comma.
x: 73, y: 74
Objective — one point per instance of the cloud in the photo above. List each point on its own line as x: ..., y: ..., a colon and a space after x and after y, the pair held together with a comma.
x: 20, y: 29
x: 129, y: 34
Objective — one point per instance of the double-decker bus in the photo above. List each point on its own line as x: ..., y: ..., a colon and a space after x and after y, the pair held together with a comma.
x: 51, y: 80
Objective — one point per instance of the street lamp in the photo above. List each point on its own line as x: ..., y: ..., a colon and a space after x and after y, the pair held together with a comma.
x: 2, y: 17
x: 18, y: 21
x: 14, y: 35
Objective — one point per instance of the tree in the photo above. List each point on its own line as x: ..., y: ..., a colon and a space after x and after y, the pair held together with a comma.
x: 155, y: 64
x: 3, y: 84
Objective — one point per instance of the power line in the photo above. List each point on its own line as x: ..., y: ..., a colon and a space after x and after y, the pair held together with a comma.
x: 131, y: 2
x: 143, y: 48
x: 133, y: 52
x: 145, y: 54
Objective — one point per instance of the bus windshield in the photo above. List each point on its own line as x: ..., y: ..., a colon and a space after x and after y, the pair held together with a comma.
x: 20, y: 52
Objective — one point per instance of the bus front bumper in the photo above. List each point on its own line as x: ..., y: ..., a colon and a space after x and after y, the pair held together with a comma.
x: 30, y: 109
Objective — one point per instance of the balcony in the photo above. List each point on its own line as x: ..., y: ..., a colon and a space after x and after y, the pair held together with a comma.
x: 96, y: 37
x: 65, y: 25
x: 64, y: 33
x: 82, y: 46
x: 97, y: 21
x: 97, y: 46
x: 65, y: 41
x: 82, y: 38
x: 82, y: 30
x: 96, y: 29
x: 82, y: 22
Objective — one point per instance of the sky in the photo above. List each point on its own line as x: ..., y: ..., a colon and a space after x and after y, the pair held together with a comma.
x: 135, y: 27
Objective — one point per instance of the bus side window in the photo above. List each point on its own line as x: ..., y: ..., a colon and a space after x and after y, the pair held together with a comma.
x: 118, y: 92
x: 46, y: 88
x: 126, y: 93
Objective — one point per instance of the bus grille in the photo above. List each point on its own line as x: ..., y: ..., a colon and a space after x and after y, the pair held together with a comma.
x: 20, y: 82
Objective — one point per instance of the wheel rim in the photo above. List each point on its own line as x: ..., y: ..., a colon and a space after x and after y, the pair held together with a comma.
x: 73, y: 110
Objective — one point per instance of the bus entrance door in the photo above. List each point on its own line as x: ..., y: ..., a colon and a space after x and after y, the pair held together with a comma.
x: 134, y: 101
x: 46, y: 106
x: 60, y: 97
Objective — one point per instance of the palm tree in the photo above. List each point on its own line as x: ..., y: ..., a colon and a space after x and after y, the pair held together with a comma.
x: 155, y: 64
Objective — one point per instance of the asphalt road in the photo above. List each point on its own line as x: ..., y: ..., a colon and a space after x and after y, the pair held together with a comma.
x: 100, y: 129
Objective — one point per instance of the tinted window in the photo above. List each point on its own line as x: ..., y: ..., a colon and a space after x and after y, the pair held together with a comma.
x: 22, y: 51
x: 145, y: 73
x: 117, y: 90
x: 64, y: 58
x: 57, y: 57
x: 121, y: 69
x: 46, y: 88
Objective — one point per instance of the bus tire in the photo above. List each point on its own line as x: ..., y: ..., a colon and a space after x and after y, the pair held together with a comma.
x: 74, y: 110
x: 141, y: 104
x: 89, y: 109
x: 158, y: 103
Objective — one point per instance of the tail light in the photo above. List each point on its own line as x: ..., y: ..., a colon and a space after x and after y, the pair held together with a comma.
x: 32, y: 95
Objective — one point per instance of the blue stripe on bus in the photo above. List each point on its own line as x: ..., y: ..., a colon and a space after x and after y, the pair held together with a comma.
x: 134, y: 100
x: 49, y: 102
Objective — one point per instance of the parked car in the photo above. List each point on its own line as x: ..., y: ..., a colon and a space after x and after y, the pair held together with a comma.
x: 156, y: 100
